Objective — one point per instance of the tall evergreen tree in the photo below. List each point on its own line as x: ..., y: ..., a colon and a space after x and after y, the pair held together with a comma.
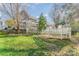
x: 42, y: 23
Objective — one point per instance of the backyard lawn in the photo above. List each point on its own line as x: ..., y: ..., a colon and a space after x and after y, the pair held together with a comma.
x: 29, y: 45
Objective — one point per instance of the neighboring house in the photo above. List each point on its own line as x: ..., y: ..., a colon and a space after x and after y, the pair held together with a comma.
x: 27, y: 23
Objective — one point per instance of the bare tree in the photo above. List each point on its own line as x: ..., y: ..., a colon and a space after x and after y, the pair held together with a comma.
x: 56, y: 12
x: 12, y: 10
x: 65, y: 12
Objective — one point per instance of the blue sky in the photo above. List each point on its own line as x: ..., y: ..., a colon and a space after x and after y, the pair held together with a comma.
x: 36, y: 9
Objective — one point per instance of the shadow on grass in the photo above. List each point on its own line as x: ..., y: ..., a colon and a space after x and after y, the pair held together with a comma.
x: 29, y: 52
x: 52, y: 44
x: 46, y: 46
x: 40, y: 43
x: 37, y: 52
x: 58, y: 42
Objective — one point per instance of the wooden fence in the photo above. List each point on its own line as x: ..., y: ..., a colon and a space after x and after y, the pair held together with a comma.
x: 59, y: 31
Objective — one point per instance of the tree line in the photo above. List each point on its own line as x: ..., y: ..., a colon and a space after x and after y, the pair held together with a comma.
x: 65, y: 14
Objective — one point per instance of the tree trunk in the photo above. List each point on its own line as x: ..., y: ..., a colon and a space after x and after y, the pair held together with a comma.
x: 17, y: 17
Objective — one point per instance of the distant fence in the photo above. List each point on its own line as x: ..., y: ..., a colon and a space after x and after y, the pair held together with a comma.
x: 58, y: 31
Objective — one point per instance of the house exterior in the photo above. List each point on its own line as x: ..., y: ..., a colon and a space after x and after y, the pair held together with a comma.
x: 27, y: 23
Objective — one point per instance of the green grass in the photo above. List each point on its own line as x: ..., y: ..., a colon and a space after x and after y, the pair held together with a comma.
x: 19, y: 45
x: 29, y: 45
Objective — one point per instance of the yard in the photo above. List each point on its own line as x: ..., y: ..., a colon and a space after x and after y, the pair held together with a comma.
x: 30, y: 45
x: 55, y: 32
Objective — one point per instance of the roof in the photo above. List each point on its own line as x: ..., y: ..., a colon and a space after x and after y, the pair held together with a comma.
x: 24, y: 14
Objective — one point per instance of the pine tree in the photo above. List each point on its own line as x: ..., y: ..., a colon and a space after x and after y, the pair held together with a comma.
x: 42, y: 23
